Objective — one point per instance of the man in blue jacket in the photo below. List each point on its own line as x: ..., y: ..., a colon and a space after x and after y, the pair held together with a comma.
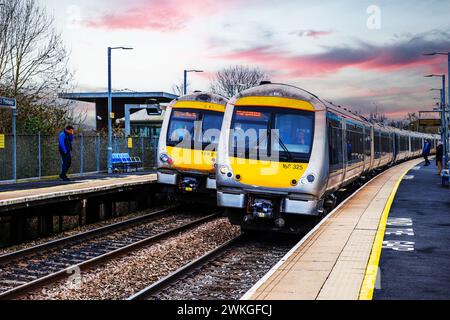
x: 426, y: 152
x: 65, y: 150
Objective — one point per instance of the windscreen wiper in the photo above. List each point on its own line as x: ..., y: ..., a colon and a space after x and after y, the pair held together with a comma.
x: 290, y: 157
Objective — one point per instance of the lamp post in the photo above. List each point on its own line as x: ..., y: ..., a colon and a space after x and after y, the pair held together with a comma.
x: 185, y: 79
x: 444, y: 109
x: 110, y: 149
x: 444, y: 133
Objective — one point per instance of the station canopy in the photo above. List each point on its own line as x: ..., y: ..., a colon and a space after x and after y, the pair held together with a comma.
x: 120, y: 99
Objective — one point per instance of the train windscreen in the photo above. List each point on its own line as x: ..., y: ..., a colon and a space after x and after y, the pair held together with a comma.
x: 194, y: 128
x: 263, y: 132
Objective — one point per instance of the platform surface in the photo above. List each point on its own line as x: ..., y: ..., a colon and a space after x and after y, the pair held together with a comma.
x: 33, y: 191
x: 415, y: 259
x: 331, y: 262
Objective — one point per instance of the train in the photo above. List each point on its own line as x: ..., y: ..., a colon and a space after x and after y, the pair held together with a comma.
x: 284, y: 155
x: 188, y: 141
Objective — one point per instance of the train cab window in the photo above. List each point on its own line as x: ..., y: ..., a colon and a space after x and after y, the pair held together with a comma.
x: 182, y: 127
x: 335, y: 142
x: 295, y: 133
x: 263, y: 132
x: 250, y: 136
x: 194, y: 128
x: 211, y: 125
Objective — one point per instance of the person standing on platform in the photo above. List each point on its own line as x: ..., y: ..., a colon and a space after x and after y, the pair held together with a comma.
x: 65, y: 150
x: 439, y: 157
x: 426, y: 152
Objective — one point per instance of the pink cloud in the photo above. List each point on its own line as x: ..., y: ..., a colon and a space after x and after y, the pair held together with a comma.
x: 312, y: 33
x: 383, y: 59
x: 157, y: 15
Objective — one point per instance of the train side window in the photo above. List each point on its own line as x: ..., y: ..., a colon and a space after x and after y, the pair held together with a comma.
x: 385, y: 144
x: 355, y: 143
x: 335, y: 144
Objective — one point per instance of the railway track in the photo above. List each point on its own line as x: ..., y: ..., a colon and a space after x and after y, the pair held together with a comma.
x: 32, y: 268
x: 224, y: 273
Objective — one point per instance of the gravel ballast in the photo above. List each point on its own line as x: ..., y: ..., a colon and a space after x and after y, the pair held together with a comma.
x: 124, y: 276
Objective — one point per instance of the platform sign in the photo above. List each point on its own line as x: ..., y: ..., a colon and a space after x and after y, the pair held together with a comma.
x: 8, y: 103
x: 2, y: 141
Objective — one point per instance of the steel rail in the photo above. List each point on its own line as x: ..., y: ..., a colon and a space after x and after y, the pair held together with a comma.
x: 22, y: 290
x: 7, y: 258
x: 176, y: 275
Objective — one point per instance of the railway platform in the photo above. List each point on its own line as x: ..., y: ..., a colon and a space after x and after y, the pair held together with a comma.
x: 13, y: 196
x: 389, y: 240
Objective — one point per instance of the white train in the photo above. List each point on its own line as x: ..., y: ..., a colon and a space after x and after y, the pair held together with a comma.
x: 311, y: 150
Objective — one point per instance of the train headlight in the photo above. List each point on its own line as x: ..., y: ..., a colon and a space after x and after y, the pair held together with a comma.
x: 308, y: 179
x: 166, y: 159
x: 223, y: 170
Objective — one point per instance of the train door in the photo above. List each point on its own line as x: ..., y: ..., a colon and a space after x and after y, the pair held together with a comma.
x: 396, y: 146
x: 336, y: 150
x: 367, y: 148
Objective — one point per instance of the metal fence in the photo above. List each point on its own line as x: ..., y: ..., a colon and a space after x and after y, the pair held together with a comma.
x: 38, y: 156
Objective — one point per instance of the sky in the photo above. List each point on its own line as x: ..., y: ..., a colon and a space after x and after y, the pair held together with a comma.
x: 365, y: 55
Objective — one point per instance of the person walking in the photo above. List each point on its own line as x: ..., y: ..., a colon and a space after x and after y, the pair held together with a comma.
x: 65, y: 150
x: 439, y: 157
x: 426, y: 152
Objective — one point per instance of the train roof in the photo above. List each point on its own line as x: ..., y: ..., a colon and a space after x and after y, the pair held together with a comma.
x: 293, y: 92
x: 281, y: 90
x: 202, y: 96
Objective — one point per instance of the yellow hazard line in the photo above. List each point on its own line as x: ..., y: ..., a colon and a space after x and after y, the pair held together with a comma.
x: 370, y: 276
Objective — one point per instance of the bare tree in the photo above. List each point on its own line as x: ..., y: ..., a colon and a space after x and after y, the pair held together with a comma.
x: 234, y: 79
x: 378, y: 117
x: 178, y: 88
x: 34, y: 66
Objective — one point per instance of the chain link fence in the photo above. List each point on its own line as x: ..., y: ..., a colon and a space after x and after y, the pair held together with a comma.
x: 38, y: 156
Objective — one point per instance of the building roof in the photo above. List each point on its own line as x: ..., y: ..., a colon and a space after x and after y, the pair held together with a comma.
x: 129, y: 96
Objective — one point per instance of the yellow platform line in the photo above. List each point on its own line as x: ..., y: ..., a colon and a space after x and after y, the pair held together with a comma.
x: 370, y: 276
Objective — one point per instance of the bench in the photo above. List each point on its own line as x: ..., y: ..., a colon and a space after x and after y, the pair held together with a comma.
x: 445, y: 177
x: 125, y: 161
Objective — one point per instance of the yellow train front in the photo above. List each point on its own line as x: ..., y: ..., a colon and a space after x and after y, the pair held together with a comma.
x: 187, y: 145
x: 273, y: 158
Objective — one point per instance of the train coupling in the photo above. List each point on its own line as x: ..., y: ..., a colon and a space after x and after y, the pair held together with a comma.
x: 189, y: 185
x: 262, y: 209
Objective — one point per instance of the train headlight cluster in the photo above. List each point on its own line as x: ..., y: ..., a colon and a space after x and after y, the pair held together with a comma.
x: 226, y: 171
x: 308, y: 179
x: 223, y: 170
x: 166, y: 159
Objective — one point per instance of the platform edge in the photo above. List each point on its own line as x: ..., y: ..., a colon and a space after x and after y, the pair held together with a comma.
x: 370, y: 275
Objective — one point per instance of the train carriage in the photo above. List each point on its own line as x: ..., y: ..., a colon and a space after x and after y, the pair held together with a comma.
x: 188, y: 142
x: 284, y: 153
